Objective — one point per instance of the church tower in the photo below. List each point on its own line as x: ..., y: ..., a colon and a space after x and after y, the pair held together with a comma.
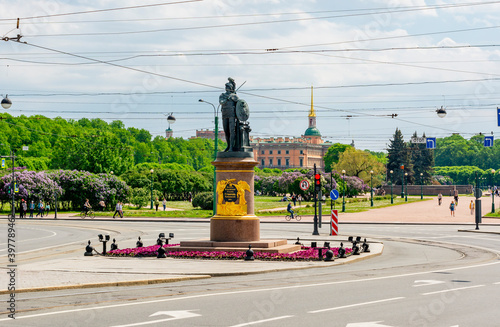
x: 312, y: 134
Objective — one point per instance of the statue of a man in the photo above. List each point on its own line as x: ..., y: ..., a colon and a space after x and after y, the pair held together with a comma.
x: 228, y: 102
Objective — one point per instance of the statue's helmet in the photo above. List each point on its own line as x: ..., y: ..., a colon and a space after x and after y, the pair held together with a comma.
x: 230, y: 87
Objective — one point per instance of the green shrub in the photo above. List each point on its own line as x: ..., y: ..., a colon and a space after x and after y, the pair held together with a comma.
x: 204, y: 200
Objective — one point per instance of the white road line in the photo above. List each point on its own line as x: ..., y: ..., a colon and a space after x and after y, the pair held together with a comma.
x: 452, y: 290
x: 103, y: 307
x: 356, y: 305
x: 261, y: 321
x: 497, y: 283
x: 31, y: 239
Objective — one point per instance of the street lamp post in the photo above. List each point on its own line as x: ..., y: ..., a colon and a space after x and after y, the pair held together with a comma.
x: 402, y: 181
x: 392, y: 198
x: 216, y: 140
x: 151, y: 188
x: 406, y: 187
x: 421, y: 186
x: 371, y: 187
x: 492, y: 192
x: 343, y: 194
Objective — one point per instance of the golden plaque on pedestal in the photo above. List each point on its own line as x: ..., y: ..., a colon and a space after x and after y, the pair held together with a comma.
x: 231, y: 197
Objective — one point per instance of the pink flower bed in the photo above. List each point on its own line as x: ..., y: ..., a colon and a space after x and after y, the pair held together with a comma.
x: 305, y: 254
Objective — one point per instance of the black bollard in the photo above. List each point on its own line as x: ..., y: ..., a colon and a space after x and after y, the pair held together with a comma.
x: 88, y: 250
x: 329, y: 254
x: 355, y: 248
x: 341, y: 251
x: 114, y: 246
x: 249, y: 254
x: 320, y: 254
x: 365, y: 246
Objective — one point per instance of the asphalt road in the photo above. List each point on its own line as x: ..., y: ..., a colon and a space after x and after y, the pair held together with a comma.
x: 427, y: 276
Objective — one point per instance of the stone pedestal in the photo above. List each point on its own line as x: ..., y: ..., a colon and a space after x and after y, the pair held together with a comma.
x: 235, y: 226
x: 235, y: 220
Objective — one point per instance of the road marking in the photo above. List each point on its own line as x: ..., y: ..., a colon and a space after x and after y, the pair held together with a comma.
x: 261, y: 321
x: 31, y: 239
x: 356, y: 305
x: 497, y: 283
x: 426, y: 282
x: 452, y: 289
x: 367, y: 324
x: 175, y: 315
x: 102, y: 307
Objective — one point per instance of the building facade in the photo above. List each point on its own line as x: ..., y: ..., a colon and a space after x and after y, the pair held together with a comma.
x: 294, y: 152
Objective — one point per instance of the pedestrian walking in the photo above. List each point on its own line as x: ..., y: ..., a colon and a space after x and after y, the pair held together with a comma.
x: 102, y: 205
x: 164, y: 204
x: 452, y: 208
x: 440, y: 198
x: 32, y: 208
x: 471, y: 207
x: 47, y: 209
x: 157, y: 204
x: 117, y: 210
x: 24, y: 208
x: 294, y: 199
x: 40, y: 209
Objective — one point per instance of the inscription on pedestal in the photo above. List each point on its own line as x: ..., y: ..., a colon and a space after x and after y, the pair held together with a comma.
x: 230, y: 193
x: 231, y: 197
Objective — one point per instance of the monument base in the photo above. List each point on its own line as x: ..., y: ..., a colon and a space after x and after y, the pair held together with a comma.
x: 268, y: 246
x: 234, y: 229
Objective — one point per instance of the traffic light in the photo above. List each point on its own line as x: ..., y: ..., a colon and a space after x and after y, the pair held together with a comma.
x: 317, y: 182
x: 16, y: 188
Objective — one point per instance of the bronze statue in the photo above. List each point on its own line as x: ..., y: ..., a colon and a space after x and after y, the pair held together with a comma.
x: 235, y: 114
x: 228, y: 102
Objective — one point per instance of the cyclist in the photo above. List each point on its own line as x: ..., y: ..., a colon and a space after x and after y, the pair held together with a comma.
x: 86, y: 206
x: 289, y: 209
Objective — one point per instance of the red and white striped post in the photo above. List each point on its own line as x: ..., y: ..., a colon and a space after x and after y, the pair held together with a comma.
x: 334, y: 224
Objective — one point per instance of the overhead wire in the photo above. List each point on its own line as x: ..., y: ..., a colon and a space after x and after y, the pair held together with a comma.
x: 101, y: 10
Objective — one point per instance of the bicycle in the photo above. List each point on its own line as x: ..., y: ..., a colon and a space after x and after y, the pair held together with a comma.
x: 295, y: 216
x: 89, y: 213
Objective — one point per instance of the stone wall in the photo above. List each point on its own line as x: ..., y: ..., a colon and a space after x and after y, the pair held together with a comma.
x: 445, y: 190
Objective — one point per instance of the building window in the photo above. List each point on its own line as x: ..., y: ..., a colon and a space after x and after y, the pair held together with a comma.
x: 287, y: 152
x: 270, y: 162
x: 263, y: 162
x: 301, y: 151
x: 270, y: 151
x: 301, y: 162
x: 287, y: 162
x: 279, y: 151
x: 279, y: 162
x: 263, y: 152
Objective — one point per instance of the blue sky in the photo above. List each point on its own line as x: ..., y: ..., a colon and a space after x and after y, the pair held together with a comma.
x: 367, y: 60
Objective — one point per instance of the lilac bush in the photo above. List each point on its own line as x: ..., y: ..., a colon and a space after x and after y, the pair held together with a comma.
x: 81, y: 185
x: 32, y: 185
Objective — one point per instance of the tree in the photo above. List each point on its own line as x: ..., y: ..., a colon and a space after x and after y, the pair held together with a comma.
x: 422, y: 161
x: 359, y: 163
x: 398, y: 155
x: 332, y: 155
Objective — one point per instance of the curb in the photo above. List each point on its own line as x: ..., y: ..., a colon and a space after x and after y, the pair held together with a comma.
x: 107, y: 284
x: 478, y: 231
